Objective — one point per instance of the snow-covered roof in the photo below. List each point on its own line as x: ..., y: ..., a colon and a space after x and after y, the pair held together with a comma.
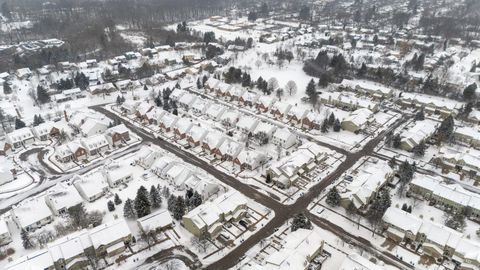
x: 187, y: 99
x: 266, y: 101
x: 19, y: 135
x: 356, y: 261
x: 30, y: 211
x: 155, y: 220
x: 91, y: 184
x: 283, y: 134
x: 197, y: 133
x: 95, y: 142
x: 251, y: 157
x: 296, y: 248
x: 178, y: 173
x: 230, y: 117
x: 230, y: 148
x: 183, y: 125
x: 370, y: 177
x: 63, y: 196
x: 402, y: 220
x: 359, y: 117
x: 419, y: 132
x: 265, y: 127
x: 169, y: 120
x: 215, y: 110
x: 108, y: 233
x: 247, y: 122
x: 214, y: 139
x: 432, y: 101
x: 282, y: 107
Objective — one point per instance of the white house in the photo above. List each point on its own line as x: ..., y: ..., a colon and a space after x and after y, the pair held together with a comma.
x: 177, y: 174
x: 196, y: 135
x: 230, y: 118
x: 284, y: 138
x: 357, y: 120
x: 212, y: 142
x: 62, y: 197
x: 421, y: 131
x: 156, y: 221
x: 247, y: 124
x: 93, y: 127
x: 228, y: 150
x: 215, y: 111
x: 117, y: 175
x: 199, y: 106
x: 96, y: 144
x: 205, y: 187
x: 146, y: 156
x: 31, y: 214
x: 91, y: 186
x: 20, y: 137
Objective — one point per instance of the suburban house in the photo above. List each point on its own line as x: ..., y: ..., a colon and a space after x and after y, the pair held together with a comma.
x: 452, y: 160
x: 92, y: 127
x: 228, y: 150
x: 248, y: 99
x: 280, y: 109
x: 368, y: 179
x: 265, y: 103
x: 286, y: 171
x: 208, y: 218
x: 264, y: 132
x: 95, y: 145
x: 467, y: 135
x: 20, y: 137
x: 433, y: 239
x: 296, y: 251
x: 250, y: 159
x: 177, y: 94
x: 5, y: 148
x: 159, y: 166
x: 91, y: 186
x: 62, y: 197
x: 296, y: 114
x: 46, y: 130
x: 146, y: 156
x: 215, y: 111
x: 347, y: 101
x: 153, y: 117
x: 116, y: 175
x: 357, y: 120
x: 421, y: 131
x: 199, y: 106
x: 101, y: 88
x: 176, y: 174
x: 196, y: 135
x: 117, y: 135
x: 109, y: 239
x: 247, y: 124
x: 230, y: 118
x: 142, y: 109
x: 312, y: 120
x: 204, y: 186
x: 182, y: 127
x: 155, y: 222
x: 31, y: 214
x: 284, y: 138
x: 375, y: 90
x: 71, y: 151
x: 212, y: 142
x: 186, y: 101
x: 430, y: 104
x: 168, y: 122
x: 211, y: 84
x: 451, y: 197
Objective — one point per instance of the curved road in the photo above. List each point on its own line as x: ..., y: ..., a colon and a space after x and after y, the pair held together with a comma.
x: 282, y: 212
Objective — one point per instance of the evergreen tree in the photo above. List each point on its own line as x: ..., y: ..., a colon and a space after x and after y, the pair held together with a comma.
x: 158, y: 101
x: 171, y: 203
x: 26, y: 241
x: 378, y: 207
x: 6, y: 88
x: 404, y: 207
x: 117, y: 199
x: 397, y: 141
x: 179, y: 208
x: 199, y: 84
x: 337, y: 126
x: 333, y: 197
x: 419, y: 149
x: 469, y: 92
x: 19, y: 123
x: 301, y: 221
x: 155, y: 198
x: 310, y: 91
x: 204, y: 80
x: 468, y: 109
x: 42, y: 95
x: 195, y: 200
x: 111, y: 206
x: 128, y: 210
x: 445, y: 130
x: 142, y: 202
x: 268, y: 179
x: 324, y: 127
x: 420, y: 116
x: 409, y: 209
x: 363, y: 70
x: 392, y: 162
x: 331, y: 119
x: 455, y: 220
x: 324, y: 80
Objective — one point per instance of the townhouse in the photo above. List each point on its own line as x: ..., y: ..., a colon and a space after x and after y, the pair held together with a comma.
x: 414, y: 135
x: 467, y: 135
x: 196, y: 135
x: 46, y: 131
x: 215, y: 111
x: 228, y: 150
x: 182, y: 127
x: 95, y: 145
x: 212, y: 142
x: 71, y: 151
x: 208, y: 218
x: 20, y: 137
x: 265, y: 103
x: 430, y: 104
x: 372, y: 176
x: 250, y: 159
x: 280, y: 109
x: 357, y: 120
x: 168, y: 122
x: 296, y: 115
x: 347, y: 101
x: 204, y: 186
x: 91, y: 186
x: 284, y: 138
x: 247, y: 124
x: 117, y: 135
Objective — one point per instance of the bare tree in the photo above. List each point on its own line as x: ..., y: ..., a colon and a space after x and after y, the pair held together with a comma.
x: 291, y: 87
